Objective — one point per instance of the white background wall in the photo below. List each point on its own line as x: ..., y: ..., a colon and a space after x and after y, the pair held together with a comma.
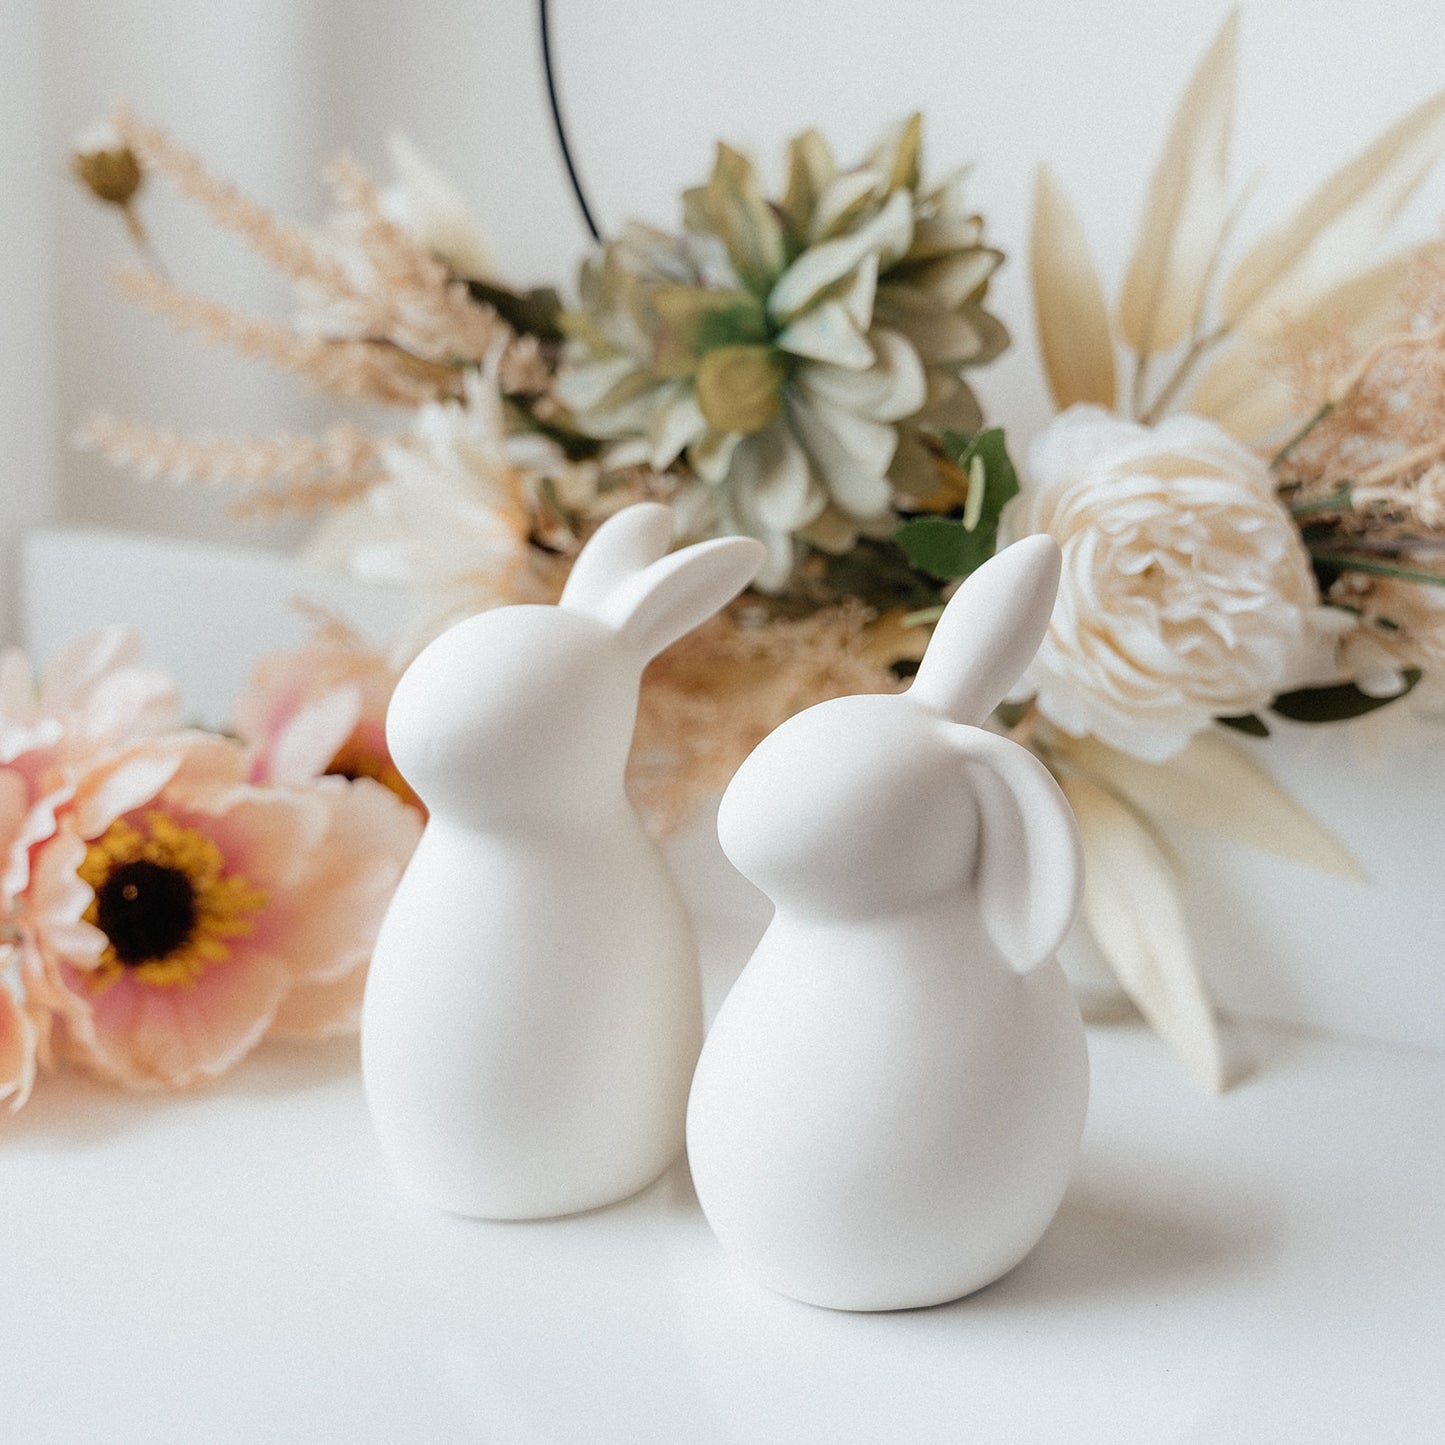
x: 267, y: 89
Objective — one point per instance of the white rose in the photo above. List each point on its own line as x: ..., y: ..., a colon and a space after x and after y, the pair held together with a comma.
x: 1186, y: 592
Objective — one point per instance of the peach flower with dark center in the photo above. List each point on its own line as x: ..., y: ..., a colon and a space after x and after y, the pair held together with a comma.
x: 172, y: 932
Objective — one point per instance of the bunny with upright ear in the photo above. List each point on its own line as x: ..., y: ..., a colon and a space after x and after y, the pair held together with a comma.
x: 533, y: 1015
x: 888, y: 1107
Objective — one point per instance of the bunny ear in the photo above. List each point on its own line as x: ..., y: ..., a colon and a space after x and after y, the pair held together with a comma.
x: 989, y: 631
x: 656, y: 606
x: 1030, y: 872
x: 625, y: 544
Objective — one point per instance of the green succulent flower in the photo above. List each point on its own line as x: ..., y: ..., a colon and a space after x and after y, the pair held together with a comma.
x: 789, y: 351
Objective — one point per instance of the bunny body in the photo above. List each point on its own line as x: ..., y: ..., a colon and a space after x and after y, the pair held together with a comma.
x: 532, y: 1014
x: 531, y: 1056
x: 887, y: 1110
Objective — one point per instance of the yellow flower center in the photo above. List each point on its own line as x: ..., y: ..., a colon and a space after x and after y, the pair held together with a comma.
x: 164, y: 901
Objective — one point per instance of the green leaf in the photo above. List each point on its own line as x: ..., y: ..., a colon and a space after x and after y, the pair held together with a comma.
x: 951, y: 547
x: 1251, y: 724
x: 1003, y: 482
x: 740, y: 324
x: 1337, y: 703
x: 943, y: 548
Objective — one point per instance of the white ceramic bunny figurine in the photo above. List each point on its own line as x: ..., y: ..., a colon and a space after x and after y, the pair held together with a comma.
x: 533, y: 1015
x: 888, y: 1107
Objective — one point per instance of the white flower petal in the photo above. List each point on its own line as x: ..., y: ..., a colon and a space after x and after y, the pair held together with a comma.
x: 850, y: 453
x: 772, y: 476
x: 892, y: 388
x: 676, y: 424
x: 820, y: 266
x: 827, y: 333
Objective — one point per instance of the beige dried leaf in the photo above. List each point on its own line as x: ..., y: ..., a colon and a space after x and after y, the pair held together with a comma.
x: 1329, y: 236
x: 1132, y: 908
x: 1069, y: 309
x: 1245, y: 388
x: 1185, y: 209
x: 1213, y: 784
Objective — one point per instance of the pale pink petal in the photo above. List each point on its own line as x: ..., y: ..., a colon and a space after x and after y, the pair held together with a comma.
x: 304, y: 747
x: 321, y: 1010
x: 135, y: 703
x: 145, y: 1036
x: 84, y: 662
x: 54, y: 905
x: 125, y: 782
x: 18, y: 1040
x: 327, y: 925
x: 300, y: 707
x: 209, y: 759
x: 267, y: 835
x: 14, y: 811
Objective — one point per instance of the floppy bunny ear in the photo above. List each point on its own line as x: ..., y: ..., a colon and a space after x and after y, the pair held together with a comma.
x: 653, y: 608
x: 625, y: 544
x: 989, y: 631
x: 1030, y: 870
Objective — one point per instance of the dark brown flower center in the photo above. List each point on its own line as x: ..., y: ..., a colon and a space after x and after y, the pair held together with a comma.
x: 146, y: 910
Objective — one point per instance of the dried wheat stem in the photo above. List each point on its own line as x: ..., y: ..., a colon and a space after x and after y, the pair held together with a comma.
x: 288, y: 248
x: 1394, y: 468
x: 352, y: 369
x: 301, y: 471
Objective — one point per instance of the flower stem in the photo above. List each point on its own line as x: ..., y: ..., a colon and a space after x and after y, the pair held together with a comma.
x: 1180, y: 375
x: 1338, y: 501
x: 1349, y: 562
x: 1283, y: 454
x: 140, y: 239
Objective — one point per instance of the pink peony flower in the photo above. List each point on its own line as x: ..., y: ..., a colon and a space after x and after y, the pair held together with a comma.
x: 322, y: 710
x: 172, y: 921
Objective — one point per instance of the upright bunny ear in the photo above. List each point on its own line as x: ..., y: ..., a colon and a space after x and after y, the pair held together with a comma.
x: 1030, y: 871
x: 625, y: 544
x: 656, y: 606
x: 989, y: 631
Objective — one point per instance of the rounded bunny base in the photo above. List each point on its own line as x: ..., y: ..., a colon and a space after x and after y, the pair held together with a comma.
x: 864, y: 1287
x: 870, y: 1134
x: 498, y: 1207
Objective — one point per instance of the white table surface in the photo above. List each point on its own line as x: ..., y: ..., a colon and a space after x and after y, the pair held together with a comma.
x: 234, y: 1265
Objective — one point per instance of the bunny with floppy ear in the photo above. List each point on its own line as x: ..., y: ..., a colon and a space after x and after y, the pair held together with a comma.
x: 889, y: 1104
x: 1031, y: 868
x: 533, y: 1014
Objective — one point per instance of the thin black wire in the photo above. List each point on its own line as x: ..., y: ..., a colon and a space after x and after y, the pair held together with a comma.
x: 560, y: 127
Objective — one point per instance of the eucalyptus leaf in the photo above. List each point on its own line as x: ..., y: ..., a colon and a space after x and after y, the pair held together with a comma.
x: 1338, y: 702
x: 949, y: 547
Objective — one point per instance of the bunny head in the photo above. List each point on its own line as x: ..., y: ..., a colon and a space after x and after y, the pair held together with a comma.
x: 513, y: 708
x: 879, y: 804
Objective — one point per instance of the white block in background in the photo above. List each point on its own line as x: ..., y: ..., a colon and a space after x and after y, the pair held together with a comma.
x: 1275, y: 940
x: 207, y: 611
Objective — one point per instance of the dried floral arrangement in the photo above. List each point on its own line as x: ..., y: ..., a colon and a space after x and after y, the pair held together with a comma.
x: 1252, y: 518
